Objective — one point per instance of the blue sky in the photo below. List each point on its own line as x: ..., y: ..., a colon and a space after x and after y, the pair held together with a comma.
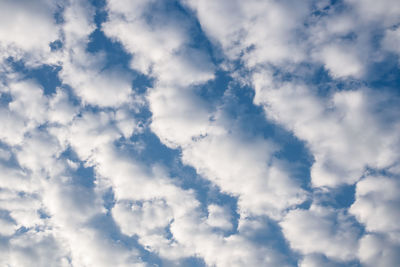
x: 199, y: 133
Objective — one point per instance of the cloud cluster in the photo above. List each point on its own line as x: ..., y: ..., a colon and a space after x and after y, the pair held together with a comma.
x: 83, y: 183
x: 349, y: 131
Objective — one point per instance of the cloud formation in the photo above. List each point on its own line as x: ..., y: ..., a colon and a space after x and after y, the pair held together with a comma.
x: 199, y: 133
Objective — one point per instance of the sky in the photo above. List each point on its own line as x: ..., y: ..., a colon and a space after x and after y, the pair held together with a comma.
x: 186, y: 133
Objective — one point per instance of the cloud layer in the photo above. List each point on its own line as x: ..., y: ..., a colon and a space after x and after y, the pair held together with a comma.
x: 199, y: 133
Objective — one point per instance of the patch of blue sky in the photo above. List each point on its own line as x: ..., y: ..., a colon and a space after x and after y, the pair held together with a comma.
x: 340, y: 197
x: 106, y: 225
x: 44, y: 75
x: 116, y: 56
x: 82, y: 174
x: 193, y: 262
x: 59, y: 13
x: 9, y: 160
x: 385, y: 75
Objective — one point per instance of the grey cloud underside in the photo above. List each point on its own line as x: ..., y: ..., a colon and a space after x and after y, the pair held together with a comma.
x: 76, y: 188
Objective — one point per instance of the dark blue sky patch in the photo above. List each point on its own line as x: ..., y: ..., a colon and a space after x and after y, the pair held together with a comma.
x: 85, y: 176
x: 43, y: 214
x: 141, y: 83
x: 5, y: 98
x: 385, y: 74
x: 59, y: 14
x: 44, y: 75
x: 115, y: 54
x: 193, y: 262
x: 82, y: 176
x: 107, y: 226
x: 153, y: 152
x: 56, y: 45
x: 109, y: 200
x: 100, y: 11
x: 12, y: 161
x: 270, y: 236
x: 338, y: 198
x: 213, y: 91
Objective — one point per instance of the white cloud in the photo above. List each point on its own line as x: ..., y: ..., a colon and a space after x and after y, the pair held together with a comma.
x: 240, y: 27
x: 377, y: 205
x: 26, y: 29
x: 384, y: 11
x: 341, y: 61
x: 61, y: 110
x: 343, y: 132
x: 23, y: 210
x: 26, y: 110
x: 377, y: 251
x: 85, y: 72
x: 148, y: 202
x: 391, y: 41
x: 321, y: 230
x: 5, y: 154
x: 61, y: 216
x: 178, y: 115
x: 219, y: 217
x: 180, y: 118
x: 7, y: 227
x: 245, y: 169
x: 38, y: 248
x: 28, y: 101
x: 108, y: 88
x: 12, y: 127
x: 148, y: 43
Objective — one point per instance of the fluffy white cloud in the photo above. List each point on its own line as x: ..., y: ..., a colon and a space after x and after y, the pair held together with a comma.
x: 219, y: 217
x: 385, y: 11
x: 178, y: 115
x: 341, y: 61
x: 26, y: 110
x: 263, y: 30
x: 391, y: 41
x: 61, y: 110
x: 321, y: 230
x: 245, y: 169
x: 86, y: 73
x: 7, y: 227
x: 26, y: 29
x: 376, y: 250
x: 142, y: 218
x: 344, y: 132
x: 181, y: 119
x: 38, y: 248
x: 54, y: 212
x: 149, y: 43
x: 377, y: 205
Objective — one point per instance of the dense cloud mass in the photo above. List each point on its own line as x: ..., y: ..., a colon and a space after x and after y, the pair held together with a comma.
x: 199, y: 133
